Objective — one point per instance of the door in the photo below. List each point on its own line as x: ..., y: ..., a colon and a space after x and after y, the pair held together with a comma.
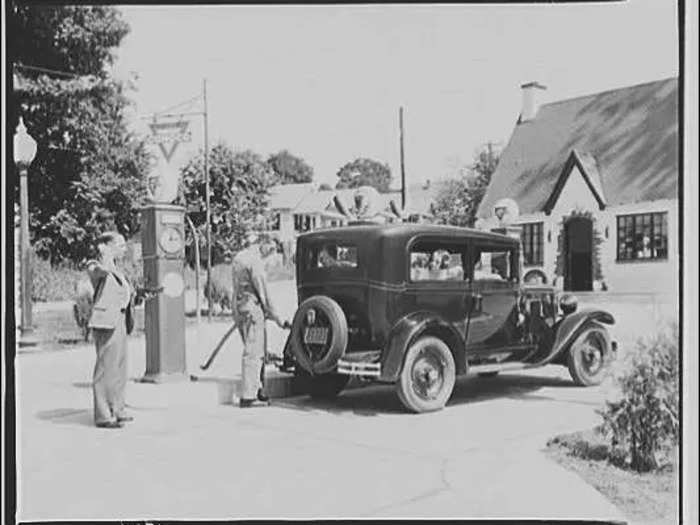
x: 494, y: 291
x: 437, y: 281
x: 578, y: 237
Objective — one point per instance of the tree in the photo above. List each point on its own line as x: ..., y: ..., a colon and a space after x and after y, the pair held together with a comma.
x: 88, y: 175
x: 289, y: 169
x: 238, y: 202
x: 364, y: 172
x: 457, y: 199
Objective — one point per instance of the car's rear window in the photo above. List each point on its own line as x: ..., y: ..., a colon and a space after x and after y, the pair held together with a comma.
x: 331, y: 255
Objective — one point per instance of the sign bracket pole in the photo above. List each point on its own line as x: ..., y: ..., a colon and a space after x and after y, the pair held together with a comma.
x: 206, y: 199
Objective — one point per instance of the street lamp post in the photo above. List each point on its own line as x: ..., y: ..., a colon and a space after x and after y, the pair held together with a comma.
x: 24, y: 152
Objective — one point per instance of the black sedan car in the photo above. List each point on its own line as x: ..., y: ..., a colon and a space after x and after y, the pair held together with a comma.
x: 418, y: 305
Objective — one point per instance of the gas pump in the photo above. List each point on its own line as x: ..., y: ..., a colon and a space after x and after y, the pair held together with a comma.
x: 163, y: 249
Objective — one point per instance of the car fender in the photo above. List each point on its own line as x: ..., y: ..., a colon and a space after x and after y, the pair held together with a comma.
x: 406, y: 330
x: 571, y: 326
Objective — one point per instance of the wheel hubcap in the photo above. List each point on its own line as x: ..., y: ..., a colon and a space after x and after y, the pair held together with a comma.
x: 428, y: 375
x: 591, y: 355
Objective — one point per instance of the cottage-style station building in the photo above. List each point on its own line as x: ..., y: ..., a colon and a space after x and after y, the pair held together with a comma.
x: 595, y: 179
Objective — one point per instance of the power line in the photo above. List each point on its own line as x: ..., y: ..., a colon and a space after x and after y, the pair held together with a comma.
x: 50, y: 71
x: 188, y: 101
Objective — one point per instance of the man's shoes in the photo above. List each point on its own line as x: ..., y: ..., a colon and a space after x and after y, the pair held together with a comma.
x: 250, y: 403
x: 109, y: 424
x: 124, y: 418
x: 262, y: 397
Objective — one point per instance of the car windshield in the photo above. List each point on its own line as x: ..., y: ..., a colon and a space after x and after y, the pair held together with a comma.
x: 332, y: 255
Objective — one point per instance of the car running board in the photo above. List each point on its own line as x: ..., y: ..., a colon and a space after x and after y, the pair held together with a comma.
x: 496, y: 367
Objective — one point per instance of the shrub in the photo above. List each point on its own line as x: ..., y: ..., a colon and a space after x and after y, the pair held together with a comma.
x: 643, y: 423
x: 53, y: 283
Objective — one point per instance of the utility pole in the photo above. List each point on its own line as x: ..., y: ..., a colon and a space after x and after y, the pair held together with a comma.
x: 206, y: 200
x: 403, y: 169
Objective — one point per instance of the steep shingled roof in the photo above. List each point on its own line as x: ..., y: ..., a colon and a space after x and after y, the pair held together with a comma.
x: 630, y: 135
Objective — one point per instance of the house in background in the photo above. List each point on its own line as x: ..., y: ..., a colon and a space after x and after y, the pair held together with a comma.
x: 298, y: 208
x: 596, y: 182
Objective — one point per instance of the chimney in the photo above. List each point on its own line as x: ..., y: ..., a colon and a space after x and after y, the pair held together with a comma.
x: 531, y: 100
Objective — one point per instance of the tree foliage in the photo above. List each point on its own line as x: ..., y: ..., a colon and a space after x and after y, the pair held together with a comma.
x: 289, y: 169
x: 239, y: 181
x: 88, y: 174
x: 364, y: 172
x: 457, y: 199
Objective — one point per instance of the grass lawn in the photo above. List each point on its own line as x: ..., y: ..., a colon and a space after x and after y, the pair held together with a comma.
x: 55, y: 329
x: 643, y: 498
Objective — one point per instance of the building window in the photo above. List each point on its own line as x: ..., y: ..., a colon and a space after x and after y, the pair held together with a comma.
x: 275, y: 221
x: 642, y: 236
x: 304, y: 223
x: 531, y: 238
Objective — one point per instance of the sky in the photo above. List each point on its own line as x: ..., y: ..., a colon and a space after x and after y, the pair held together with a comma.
x: 326, y: 82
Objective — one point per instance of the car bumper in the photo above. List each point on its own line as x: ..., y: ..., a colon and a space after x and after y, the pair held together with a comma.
x: 362, y: 364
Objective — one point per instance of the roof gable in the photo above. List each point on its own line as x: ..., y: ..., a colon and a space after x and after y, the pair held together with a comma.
x: 631, y: 134
x: 586, y: 164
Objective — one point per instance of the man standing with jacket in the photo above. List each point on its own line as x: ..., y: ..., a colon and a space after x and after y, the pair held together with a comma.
x: 252, y: 306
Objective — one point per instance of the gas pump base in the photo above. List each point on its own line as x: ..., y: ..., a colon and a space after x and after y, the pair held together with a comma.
x: 164, y: 378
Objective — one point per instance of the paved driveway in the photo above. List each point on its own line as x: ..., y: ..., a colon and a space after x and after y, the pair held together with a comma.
x: 187, y: 456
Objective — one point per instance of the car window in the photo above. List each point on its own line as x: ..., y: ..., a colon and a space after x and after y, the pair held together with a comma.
x: 332, y: 255
x: 436, y: 263
x: 493, y: 265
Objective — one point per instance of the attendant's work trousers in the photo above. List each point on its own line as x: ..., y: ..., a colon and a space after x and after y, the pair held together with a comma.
x: 109, y: 378
x: 251, y: 326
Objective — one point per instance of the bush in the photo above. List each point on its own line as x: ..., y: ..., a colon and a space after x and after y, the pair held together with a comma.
x: 643, y: 423
x: 51, y: 283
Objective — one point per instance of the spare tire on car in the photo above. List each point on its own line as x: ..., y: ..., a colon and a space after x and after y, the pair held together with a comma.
x: 319, y: 334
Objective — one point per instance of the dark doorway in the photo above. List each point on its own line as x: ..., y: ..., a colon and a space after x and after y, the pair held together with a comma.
x: 578, y: 243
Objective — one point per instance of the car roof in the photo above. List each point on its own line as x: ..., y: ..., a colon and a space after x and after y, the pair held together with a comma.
x: 405, y: 231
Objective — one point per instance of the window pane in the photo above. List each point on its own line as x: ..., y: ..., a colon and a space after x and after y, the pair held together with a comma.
x: 436, y: 263
x: 332, y: 255
x: 492, y: 266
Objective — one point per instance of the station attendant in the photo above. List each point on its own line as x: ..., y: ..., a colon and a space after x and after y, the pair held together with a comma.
x: 252, y: 306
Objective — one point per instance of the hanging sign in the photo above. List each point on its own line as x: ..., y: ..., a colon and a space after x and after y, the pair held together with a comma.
x: 168, y: 135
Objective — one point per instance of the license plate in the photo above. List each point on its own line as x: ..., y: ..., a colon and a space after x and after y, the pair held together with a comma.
x: 316, y: 335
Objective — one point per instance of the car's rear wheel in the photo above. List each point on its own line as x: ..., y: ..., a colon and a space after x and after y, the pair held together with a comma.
x: 323, y: 386
x: 589, y: 356
x: 428, y: 375
x: 318, y: 350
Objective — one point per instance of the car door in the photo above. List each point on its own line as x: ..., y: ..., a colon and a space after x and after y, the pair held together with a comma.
x: 493, y: 289
x: 437, y: 281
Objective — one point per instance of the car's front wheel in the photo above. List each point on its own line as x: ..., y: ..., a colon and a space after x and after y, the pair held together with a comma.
x: 428, y: 375
x: 589, y: 356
